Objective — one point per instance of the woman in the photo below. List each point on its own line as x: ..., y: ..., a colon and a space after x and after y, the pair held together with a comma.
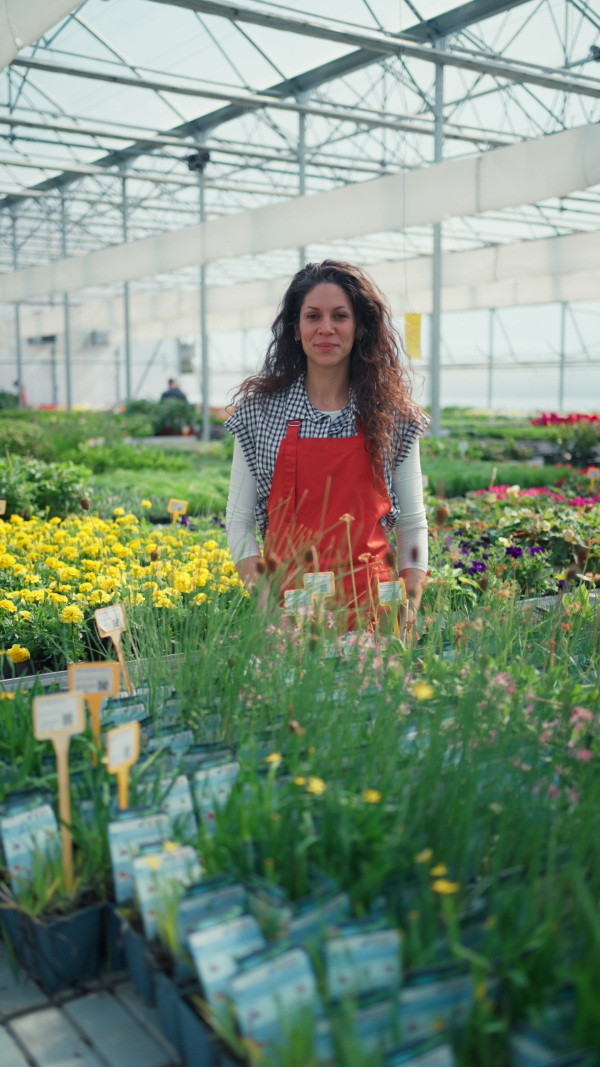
x: 326, y: 456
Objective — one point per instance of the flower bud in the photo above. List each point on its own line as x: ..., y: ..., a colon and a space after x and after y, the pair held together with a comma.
x: 85, y: 503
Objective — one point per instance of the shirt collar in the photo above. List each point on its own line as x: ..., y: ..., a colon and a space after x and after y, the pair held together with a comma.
x: 298, y: 405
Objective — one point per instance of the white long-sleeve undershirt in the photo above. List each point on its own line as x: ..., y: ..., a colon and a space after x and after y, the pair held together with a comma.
x: 407, y: 484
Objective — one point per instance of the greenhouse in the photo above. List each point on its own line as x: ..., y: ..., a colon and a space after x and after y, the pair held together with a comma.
x: 299, y: 533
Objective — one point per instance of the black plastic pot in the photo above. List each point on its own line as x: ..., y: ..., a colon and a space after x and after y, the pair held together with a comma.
x: 199, y: 1045
x: 114, y: 942
x: 141, y: 965
x: 58, y: 952
x: 168, y: 993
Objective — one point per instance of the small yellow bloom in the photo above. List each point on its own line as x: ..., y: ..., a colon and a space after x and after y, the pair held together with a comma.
x: 146, y: 503
x: 71, y: 614
x: 423, y: 690
x: 7, y: 696
x: 443, y: 886
x: 299, y: 780
x: 118, y: 512
x: 200, y: 598
x: 18, y: 654
x: 25, y: 615
x: 274, y: 757
x: 210, y: 545
x: 6, y: 560
x: 439, y: 871
x: 182, y: 582
x: 7, y: 605
x: 425, y: 856
x: 371, y: 796
x: 316, y: 786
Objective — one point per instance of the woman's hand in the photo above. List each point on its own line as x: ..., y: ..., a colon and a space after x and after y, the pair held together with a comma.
x: 247, y: 571
x: 415, y: 581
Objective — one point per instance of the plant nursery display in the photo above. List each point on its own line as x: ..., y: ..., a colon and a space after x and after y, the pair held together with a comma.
x: 312, y: 847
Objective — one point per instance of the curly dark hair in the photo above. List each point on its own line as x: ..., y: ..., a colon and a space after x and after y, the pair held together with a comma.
x: 378, y: 374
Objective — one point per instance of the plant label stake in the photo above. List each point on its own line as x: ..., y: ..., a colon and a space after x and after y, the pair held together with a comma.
x: 56, y: 718
x: 96, y: 681
x: 2, y: 507
x: 321, y: 584
x: 592, y: 473
x: 122, y: 751
x: 393, y: 594
x: 177, y: 507
x: 111, y: 622
x: 297, y: 600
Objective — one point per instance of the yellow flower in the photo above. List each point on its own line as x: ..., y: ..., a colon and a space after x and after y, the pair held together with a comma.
x: 439, y: 870
x: 371, y: 796
x: 316, y: 786
x: 425, y: 856
x: 118, y: 512
x: 443, y: 886
x: 210, y: 545
x: 86, y: 587
x: 7, y: 696
x: 18, y: 654
x: 6, y: 560
x: 146, y: 503
x: 299, y: 780
x: 72, y: 613
x: 423, y: 690
x: 274, y: 757
x: 7, y: 605
x: 24, y: 614
x: 182, y: 582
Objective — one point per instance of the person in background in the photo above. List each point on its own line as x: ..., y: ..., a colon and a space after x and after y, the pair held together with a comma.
x: 173, y: 392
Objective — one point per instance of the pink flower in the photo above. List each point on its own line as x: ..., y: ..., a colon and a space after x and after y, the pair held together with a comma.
x: 553, y: 792
x: 574, y: 796
x: 581, y: 714
x: 545, y: 737
x: 584, y: 754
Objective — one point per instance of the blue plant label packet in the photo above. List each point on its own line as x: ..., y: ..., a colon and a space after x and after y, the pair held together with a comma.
x: 531, y: 1049
x: 271, y: 905
x: 272, y: 993
x: 179, y: 805
x: 27, y: 832
x: 216, y: 948
x: 157, y: 875
x: 431, y: 1004
x: 364, y: 957
x: 214, y: 898
x: 213, y: 783
x: 175, y: 742
x: 119, y: 710
x: 317, y: 915
x: 431, y: 1053
x: 127, y: 836
x: 376, y: 1024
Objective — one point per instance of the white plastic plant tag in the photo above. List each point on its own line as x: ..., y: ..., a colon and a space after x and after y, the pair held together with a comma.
x: 122, y: 746
x: 297, y: 599
x: 61, y: 713
x: 216, y: 948
x: 320, y: 584
x: 392, y: 592
x: 177, y: 507
x: 110, y: 620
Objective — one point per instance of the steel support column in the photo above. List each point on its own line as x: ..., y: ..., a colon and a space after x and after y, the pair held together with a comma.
x: 301, y: 174
x: 490, y: 382
x: 15, y: 257
x: 434, y: 358
x: 66, y: 309
x: 126, y: 319
x: 561, y: 366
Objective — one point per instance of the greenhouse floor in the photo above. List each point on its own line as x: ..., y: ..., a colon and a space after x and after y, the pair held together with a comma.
x: 105, y: 1025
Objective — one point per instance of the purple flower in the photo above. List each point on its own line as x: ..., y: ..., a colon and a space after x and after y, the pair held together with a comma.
x: 464, y: 551
x: 459, y: 563
x: 533, y: 551
x: 514, y: 551
x: 476, y: 567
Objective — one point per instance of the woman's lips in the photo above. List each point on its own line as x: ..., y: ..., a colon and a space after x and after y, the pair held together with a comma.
x: 325, y: 347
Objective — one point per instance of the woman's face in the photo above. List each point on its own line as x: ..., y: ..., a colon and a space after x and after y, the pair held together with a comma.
x: 327, y: 326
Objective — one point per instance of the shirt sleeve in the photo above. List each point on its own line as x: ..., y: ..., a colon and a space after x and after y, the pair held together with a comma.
x: 240, y: 515
x: 411, y: 528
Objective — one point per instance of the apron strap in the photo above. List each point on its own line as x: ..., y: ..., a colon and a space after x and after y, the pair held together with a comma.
x: 289, y: 471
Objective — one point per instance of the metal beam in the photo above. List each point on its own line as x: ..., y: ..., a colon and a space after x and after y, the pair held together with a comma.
x: 453, y: 21
x: 386, y: 44
x: 251, y: 101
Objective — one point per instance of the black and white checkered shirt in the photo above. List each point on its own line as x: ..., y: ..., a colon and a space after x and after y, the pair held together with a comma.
x: 260, y: 423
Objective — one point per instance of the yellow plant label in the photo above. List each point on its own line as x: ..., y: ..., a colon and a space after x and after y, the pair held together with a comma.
x: 122, y: 746
x: 392, y: 592
x: 320, y: 584
x: 110, y: 620
x: 177, y: 507
x: 2, y: 507
x: 60, y: 713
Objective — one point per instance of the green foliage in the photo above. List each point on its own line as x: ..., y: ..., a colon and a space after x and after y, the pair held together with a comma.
x: 21, y: 438
x: 455, y: 478
x: 127, y: 457
x: 205, y: 489
x: 32, y: 487
x: 171, y: 416
x: 8, y: 400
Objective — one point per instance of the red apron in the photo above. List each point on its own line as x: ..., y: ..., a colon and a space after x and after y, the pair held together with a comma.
x: 316, y: 481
